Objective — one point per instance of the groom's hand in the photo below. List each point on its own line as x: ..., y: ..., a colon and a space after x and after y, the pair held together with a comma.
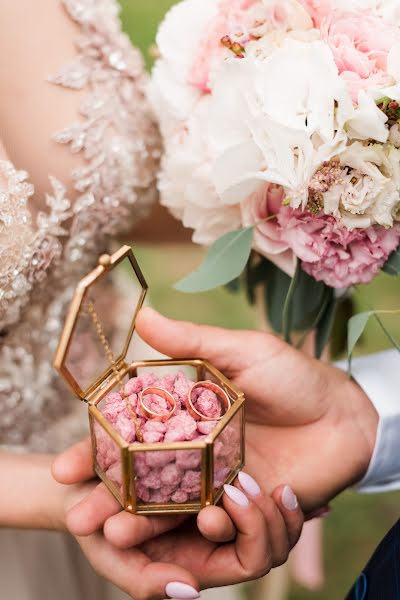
x: 308, y: 424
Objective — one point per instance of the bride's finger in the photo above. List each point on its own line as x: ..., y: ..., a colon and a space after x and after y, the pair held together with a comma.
x: 250, y: 556
x: 124, y: 530
x: 90, y: 514
x: 282, y: 513
x: 134, y: 573
x: 75, y: 465
x: 215, y: 525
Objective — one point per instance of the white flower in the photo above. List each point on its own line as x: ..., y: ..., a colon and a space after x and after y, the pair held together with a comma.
x: 277, y: 120
x: 178, y: 39
x: 368, y: 193
x: 368, y: 121
x: 186, y: 185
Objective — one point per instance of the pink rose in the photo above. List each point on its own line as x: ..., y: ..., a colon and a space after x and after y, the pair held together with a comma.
x: 360, y: 43
x: 264, y: 203
x: 333, y: 254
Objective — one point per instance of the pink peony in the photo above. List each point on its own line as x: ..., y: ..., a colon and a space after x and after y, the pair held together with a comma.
x: 333, y: 254
x: 317, y: 9
x: 360, y: 43
x: 265, y: 203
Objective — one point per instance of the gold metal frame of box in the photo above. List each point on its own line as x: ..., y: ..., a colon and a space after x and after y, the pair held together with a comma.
x: 112, y: 377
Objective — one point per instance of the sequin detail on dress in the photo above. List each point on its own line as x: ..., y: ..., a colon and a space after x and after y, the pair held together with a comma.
x: 41, y: 262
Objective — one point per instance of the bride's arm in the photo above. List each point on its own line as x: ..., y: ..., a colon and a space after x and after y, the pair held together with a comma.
x: 30, y: 498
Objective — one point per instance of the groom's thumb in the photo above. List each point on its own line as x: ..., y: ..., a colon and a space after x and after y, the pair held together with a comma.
x: 180, y: 339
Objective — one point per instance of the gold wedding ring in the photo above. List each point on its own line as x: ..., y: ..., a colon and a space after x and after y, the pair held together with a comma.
x: 218, y: 391
x: 151, y: 414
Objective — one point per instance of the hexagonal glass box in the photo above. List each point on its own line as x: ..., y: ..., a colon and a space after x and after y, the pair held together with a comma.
x: 92, y: 359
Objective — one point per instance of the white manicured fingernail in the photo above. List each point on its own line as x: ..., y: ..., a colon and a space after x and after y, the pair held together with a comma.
x: 289, y: 499
x: 249, y: 484
x: 181, y: 591
x: 236, y: 496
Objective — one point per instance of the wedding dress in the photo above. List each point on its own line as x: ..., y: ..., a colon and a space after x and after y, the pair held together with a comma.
x: 105, y: 158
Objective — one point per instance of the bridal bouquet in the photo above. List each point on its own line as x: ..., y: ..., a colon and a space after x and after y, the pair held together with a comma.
x: 280, y: 121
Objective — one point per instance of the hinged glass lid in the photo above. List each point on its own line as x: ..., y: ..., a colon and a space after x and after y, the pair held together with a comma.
x: 101, y: 322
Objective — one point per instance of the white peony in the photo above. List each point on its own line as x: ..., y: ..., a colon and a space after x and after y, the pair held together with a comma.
x: 186, y: 185
x: 178, y: 39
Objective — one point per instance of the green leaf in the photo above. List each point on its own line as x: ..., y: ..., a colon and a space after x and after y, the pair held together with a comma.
x: 325, y: 324
x: 276, y: 290
x: 225, y: 261
x: 392, y: 266
x: 287, y: 314
x: 356, y: 327
x: 306, y: 306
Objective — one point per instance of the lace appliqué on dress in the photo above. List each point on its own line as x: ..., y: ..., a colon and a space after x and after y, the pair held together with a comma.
x: 25, y: 253
x: 41, y: 262
x: 117, y: 136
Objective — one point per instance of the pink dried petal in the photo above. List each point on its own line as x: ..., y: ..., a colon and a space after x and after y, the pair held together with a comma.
x: 156, y: 404
x: 113, y: 407
x: 152, y: 480
x: 171, y: 475
x: 132, y: 401
x: 153, y: 432
x: 160, y: 458
x: 206, y: 427
x: 207, y: 403
x: 107, y: 452
x: 174, y: 436
x: 168, y: 490
x: 141, y: 467
x: 152, y: 437
x: 194, y: 496
x: 133, y: 386
x: 182, y: 387
x: 188, y: 459
x: 191, y: 482
x: 183, y: 423
x: 167, y: 382
x: 157, y: 497
x: 124, y: 427
x: 220, y: 477
x: 142, y: 492
x: 179, y: 497
x: 149, y: 380
x: 114, y: 473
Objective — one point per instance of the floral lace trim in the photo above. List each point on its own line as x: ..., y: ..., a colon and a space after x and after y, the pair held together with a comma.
x: 25, y: 255
x: 117, y: 135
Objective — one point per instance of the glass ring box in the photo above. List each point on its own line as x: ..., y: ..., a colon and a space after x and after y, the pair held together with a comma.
x: 179, y: 465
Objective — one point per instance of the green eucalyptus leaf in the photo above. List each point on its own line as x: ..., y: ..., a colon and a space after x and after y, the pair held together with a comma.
x: 276, y: 290
x: 392, y: 266
x: 225, y: 261
x: 356, y: 327
x: 325, y: 324
x: 287, y: 313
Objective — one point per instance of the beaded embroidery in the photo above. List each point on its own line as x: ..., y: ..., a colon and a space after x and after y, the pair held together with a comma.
x: 41, y: 262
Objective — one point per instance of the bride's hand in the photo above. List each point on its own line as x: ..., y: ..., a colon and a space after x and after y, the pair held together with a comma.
x: 176, y: 556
